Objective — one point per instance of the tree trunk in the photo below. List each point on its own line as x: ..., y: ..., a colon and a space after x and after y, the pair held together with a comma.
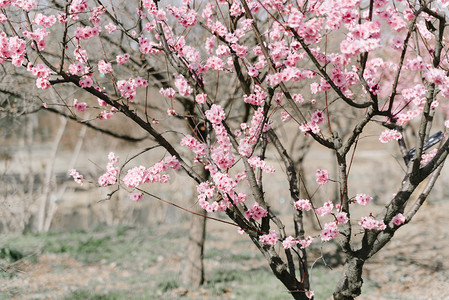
x: 193, y: 273
x: 351, y: 282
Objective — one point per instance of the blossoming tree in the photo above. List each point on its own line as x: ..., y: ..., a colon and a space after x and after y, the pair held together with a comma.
x: 245, y: 69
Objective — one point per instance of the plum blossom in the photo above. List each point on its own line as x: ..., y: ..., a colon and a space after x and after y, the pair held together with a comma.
x: 326, y: 209
x: 322, y: 176
x: 104, y: 67
x: 289, y: 242
x: 303, y: 204
x: 215, y: 114
x: 363, y: 199
x: 135, y: 196
x: 398, y: 219
x: 256, y: 212
x: 269, y: 239
x: 110, y: 177
x: 329, y: 231
x: 427, y: 157
x: 342, y: 217
x: 79, y: 106
x: 76, y: 176
x: 389, y: 135
x: 370, y: 223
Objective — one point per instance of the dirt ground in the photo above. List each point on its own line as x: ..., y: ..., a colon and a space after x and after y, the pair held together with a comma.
x: 414, y: 265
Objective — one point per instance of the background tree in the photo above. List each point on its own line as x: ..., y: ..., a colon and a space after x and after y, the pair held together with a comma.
x: 238, y: 68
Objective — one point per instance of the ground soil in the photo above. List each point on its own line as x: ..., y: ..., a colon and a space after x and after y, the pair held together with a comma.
x: 414, y: 265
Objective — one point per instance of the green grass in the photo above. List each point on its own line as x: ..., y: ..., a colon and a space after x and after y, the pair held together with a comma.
x: 134, y: 249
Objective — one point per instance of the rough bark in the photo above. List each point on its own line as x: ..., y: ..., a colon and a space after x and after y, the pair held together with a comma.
x: 350, y: 284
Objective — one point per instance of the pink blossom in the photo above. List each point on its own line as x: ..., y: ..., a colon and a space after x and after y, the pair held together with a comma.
x: 309, y: 294
x: 329, y: 231
x: 370, y: 223
x: 79, y: 106
x: 303, y: 204
x: 269, y: 239
x: 86, y: 82
x: 326, y: 209
x: 183, y: 86
x: 201, y: 98
x: 342, y: 217
x: 289, y: 242
x: 110, y: 177
x: 122, y: 58
x: 104, y: 67
x: 215, y: 114
x: 398, y: 219
x: 110, y: 27
x: 322, y: 176
x: 306, y: 242
x: 76, y: 176
x: 256, y: 212
x: 105, y: 115
x: 389, y: 135
x: 317, y: 117
x: 43, y: 83
x: 135, y: 196
x: 363, y: 199
x: 426, y: 158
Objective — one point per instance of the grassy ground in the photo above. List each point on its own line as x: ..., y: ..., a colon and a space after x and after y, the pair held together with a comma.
x: 126, y: 262
x: 135, y: 263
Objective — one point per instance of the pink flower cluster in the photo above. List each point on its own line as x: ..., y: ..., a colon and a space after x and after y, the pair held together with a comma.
x: 370, y: 223
x: 363, y: 199
x: 269, y: 239
x: 363, y: 37
x: 215, y: 114
x: 182, y: 85
x: 45, y: 21
x: 398, y: 219
x: 257, y: 98
x: 186, y: 17
x: 128, y: 87
x: 88, y: 32
x: 78, y: 68
x: 193, y: 144
x: 390, y: 134
x: 329, y: 231
x: 322, y: 176
x: 342, y: 217
x: 12, y: 48
x: 79, y: 106
x: 104, y: 67
x: 426, y: 158
x: 135, y: 196
x: 256, y: 212
x: 122, y: 58
x: 303, y: 204
x: 140, y: 175
x: 326, y: 209
x: 110, y: 177
x: 76, y: 7
x: 206, y: 191
x: 256, y: 162
x: 291, y: 241
x: 251, y: 133
x: 76, y: 176
x: 224, y: 182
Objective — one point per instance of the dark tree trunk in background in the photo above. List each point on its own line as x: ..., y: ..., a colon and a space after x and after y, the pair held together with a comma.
x: 193, y: 273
